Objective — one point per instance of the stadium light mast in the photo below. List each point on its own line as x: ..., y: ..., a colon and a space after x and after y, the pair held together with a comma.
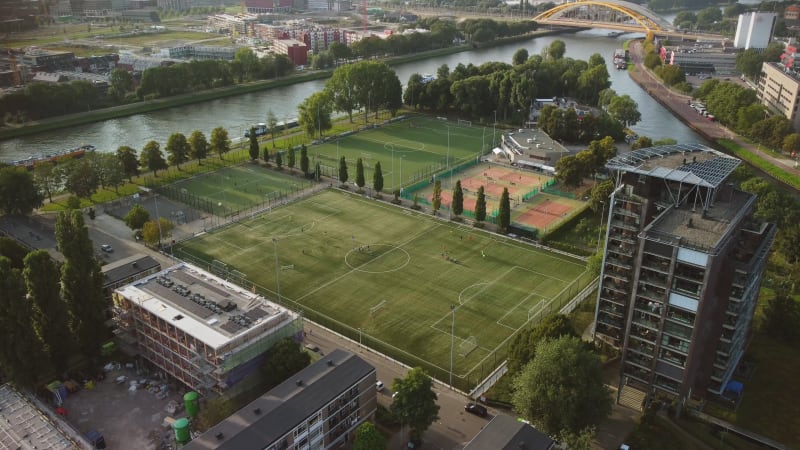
x: 393, y: 166
x: 277, y: 269
x: 452, y: 341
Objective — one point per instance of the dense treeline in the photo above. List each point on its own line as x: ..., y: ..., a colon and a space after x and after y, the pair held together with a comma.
x: 511, y: 89
x: 194, y: 75
x: 43, y: 100
x: 443, y: 34
x: 50, y: 311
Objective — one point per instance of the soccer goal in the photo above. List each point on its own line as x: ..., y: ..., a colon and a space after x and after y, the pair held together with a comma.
x: 537, y: 309
x: 467, y: 346
x: 464, y: 123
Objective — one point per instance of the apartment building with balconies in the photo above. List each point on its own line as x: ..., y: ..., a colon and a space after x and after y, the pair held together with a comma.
x: 682, y: 268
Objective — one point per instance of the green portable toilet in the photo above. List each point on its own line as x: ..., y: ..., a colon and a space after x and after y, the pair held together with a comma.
x: 191, y: 403
x: 181, y: 427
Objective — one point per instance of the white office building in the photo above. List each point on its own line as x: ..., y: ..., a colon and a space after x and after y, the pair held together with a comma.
x: 754, y: 30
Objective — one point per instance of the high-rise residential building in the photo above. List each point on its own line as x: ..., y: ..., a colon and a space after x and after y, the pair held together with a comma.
x: 779, y: 90
x: 754, y: 30
x: 681, y: 273
x: 198, y: 328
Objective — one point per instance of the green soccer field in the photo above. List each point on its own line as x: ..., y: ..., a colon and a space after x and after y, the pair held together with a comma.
x: 356, y: 264
x: 238, y: 187
x: 420, y: 147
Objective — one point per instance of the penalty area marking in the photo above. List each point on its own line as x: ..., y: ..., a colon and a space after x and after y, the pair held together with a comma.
x: 461, y: 294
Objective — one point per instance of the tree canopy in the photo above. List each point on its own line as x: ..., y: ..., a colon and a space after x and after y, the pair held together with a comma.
x: 18, y: 192
x: 415, y: 402
x: 562, y: 388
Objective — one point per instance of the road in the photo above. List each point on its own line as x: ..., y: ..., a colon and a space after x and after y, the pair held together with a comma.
x: 453, y: 429
x: 679, y: 105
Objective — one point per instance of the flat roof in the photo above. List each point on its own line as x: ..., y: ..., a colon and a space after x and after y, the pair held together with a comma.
x: 204, y: 305
x: 539, y: 141
x: 128, y: 267
x: 700, y: 229
x: 24, y: 426
x: 507, y: 433
x: 283, y: 408
x: 687, y: 163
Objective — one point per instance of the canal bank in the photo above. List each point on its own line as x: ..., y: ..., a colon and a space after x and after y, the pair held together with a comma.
x: 146, y: 106
x: 714, y: 132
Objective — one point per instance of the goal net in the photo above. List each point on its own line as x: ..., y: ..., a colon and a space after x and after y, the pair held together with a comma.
x: 464, y: 123
x: 536, y: 309
x: 467, y: 346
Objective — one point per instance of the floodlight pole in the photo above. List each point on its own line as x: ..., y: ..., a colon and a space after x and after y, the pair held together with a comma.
x: 277, y: 269
x: 494, y: 129
x: 452, y: 341
x: 392, y: 165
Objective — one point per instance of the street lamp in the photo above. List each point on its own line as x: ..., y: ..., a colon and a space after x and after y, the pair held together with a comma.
x: 359, y: 335
x: 401, y: 173
x: 277, y: 269
x: 452, y: 341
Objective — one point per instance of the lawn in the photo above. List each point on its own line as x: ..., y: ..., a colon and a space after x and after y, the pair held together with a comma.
x: 408, y: 150
x: 234, y: 188
x: 769, y: 403
x: 389, y: 277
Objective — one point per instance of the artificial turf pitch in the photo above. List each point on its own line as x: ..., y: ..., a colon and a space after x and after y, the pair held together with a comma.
x: 421, y: 145
x: 393, y: 273
x: 239, y: 187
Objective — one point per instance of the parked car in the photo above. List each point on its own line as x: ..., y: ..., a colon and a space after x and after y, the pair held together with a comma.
x: 474, y: 408
x: 379, y: 385
x: 106, y: 248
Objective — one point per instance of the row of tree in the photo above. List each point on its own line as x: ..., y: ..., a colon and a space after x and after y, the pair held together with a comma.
x: 510, y: 90
x: 50, y: 312
x: 366, y: 85
x: 204, y: 74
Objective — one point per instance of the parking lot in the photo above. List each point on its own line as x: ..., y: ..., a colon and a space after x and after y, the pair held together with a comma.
x: 127, y: 418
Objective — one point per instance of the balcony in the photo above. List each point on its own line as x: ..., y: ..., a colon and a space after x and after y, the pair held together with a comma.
x: 650, y: 295
x: 645, y: 321
x: 640, y: 346
x: 681, y: 317
x: 637, y: 373
x: 612, y: 309
x: 649, y: 307
x: 624, y: 226
x: 677, y: 330
x: 616, y: 285
x: 634, y: 214
x: 610, y: 320
x: 623, y: 238
x: 618, y: 275
x: 644, y: 334
x: 639, y: 360
x: 618, y: 262
x: 653, y: 280
x: 673, y: 358
x: 666, y: 383
x: 675, y: 344
x: 686, y: 287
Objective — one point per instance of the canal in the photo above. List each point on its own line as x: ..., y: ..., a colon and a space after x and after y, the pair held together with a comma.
x: 238, y: 112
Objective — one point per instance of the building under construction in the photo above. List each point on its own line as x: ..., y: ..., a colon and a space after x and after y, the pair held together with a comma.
x: 199, y: 328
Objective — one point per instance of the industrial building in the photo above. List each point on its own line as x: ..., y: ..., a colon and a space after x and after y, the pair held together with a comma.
x: 198, y: 328
x: 319, y: 407
x: 754, y: 30
x: 681, y: 272
x: 779, y: 90
x: 24, y: 426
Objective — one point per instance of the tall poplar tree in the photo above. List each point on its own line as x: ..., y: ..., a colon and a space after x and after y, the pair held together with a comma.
x: 360, y: 182
x: 304, y: 162
x: 342, y: 170
x: 22, y: 354
x: 253, y: 144
x: 377, y: 178
x: 436, y: 200
x: 480, y: 205
x: 505, y: 210
x: 290, y: 158
x: 458, y: 199
x: 81, y: 284
x: 50, y: 319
